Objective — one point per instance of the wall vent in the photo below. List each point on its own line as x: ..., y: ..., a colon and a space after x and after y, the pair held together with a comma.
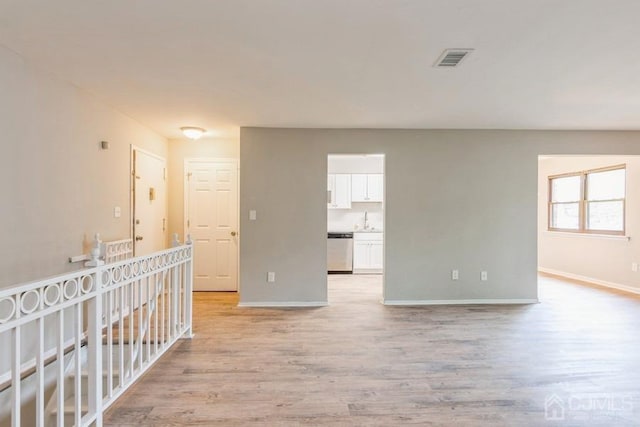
x: 452, y: 57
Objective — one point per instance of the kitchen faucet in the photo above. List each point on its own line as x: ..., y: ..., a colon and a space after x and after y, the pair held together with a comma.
x: 366, y: 226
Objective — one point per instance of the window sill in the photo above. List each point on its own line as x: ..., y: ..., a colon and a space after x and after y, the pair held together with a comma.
x: 588, y: 235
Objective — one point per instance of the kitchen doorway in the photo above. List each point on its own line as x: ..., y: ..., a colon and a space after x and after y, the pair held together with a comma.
x: 355, y: 225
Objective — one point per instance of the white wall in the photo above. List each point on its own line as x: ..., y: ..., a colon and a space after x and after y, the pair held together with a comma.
x: 597, y: 258
x: 454, y: 199
x: 355, y: 163
x: 58, y: 187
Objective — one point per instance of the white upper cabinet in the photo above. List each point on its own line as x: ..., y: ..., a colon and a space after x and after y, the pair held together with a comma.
x: 367, y: 187
x: 339, y: 191
x: 375, y: 185
x: 358, y: 187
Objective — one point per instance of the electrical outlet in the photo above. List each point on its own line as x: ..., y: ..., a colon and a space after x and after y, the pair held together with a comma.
x: 484, y: 276
x: 455, y: 275
x: 634, y: 267
x: 271, y: 276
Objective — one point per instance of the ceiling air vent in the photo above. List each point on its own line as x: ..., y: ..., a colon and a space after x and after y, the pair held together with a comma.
x: 452, y: 57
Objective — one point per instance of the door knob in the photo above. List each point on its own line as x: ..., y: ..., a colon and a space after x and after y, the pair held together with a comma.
x: 233, y: 233
x: 138, y: 238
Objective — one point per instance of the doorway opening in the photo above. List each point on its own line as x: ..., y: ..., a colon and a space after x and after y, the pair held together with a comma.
x: 588, y: 206
x: 355, y: 226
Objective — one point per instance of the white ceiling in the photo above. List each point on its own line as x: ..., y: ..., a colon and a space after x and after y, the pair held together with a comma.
x: 537, y: 64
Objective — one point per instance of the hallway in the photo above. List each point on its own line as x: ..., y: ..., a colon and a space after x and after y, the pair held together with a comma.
x: 357, y: 362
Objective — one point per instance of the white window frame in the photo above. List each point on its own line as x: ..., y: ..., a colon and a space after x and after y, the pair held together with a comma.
x: 583, y: 203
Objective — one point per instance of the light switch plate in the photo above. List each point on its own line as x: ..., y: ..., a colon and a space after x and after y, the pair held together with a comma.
x: 252, y: 215
x: 117, y: 212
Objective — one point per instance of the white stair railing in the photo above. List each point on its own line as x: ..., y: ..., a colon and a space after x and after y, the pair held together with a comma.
x: 56, y: 325
x: 116, y: 250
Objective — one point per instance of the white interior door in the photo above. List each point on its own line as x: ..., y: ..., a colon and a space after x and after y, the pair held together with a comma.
x: 212, y: 220
x: 149, y: 203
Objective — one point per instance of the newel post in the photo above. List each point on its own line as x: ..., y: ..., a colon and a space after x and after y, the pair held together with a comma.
x: 94, y: 255
x: 175, y: 283
x: 188, y: 288
x: 94, y: 345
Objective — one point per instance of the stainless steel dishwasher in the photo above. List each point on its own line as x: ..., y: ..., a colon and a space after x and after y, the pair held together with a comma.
x: 340, y: 252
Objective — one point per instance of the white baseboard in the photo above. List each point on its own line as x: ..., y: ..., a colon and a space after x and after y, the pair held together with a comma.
x: 275, y: 304
x: 461, y: 302
x: 591, y: 280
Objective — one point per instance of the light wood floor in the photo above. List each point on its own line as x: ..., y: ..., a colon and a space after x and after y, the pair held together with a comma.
x: 358, y: 362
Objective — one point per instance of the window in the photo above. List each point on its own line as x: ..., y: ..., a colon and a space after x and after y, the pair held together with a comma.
x: 588, y: 202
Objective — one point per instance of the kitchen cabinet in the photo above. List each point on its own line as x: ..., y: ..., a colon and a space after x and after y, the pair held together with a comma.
x: 339, y: 191
x: 368, y: 253
x: 367, y: 187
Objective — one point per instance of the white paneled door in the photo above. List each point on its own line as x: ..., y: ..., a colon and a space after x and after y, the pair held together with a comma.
x: 149, y: 202
x: 211, y: 217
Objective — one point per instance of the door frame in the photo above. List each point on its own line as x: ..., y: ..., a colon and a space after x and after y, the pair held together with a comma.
x: 384, y: 213
x: 132, y: 187
x: 185, y: 206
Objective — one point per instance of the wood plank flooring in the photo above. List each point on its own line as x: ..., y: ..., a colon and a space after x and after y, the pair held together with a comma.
x: 357, y: 362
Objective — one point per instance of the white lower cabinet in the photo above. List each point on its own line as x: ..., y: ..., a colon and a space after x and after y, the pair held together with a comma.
x: 368, y: 253
x: 376, y: 255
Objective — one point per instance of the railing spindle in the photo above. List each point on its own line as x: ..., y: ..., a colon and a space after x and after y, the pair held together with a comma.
x: 140, y: 325
x: 131, y: 319
x: 174, y: 302
x: 94, y: 331
x: 156, y: 303
x: 78, y: 364
x: 109, y: 361
x: 149, y: 313
x: 60, y: 371
x: 16, y: 395
x: 121, y: 338
x: 40, y: 403
x: 189, y: 291
x: 163, y: 312
x: 178, y: 285
x: 188, y: 284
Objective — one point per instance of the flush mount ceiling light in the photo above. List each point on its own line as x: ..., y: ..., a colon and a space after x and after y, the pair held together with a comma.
x: 192, y: 132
